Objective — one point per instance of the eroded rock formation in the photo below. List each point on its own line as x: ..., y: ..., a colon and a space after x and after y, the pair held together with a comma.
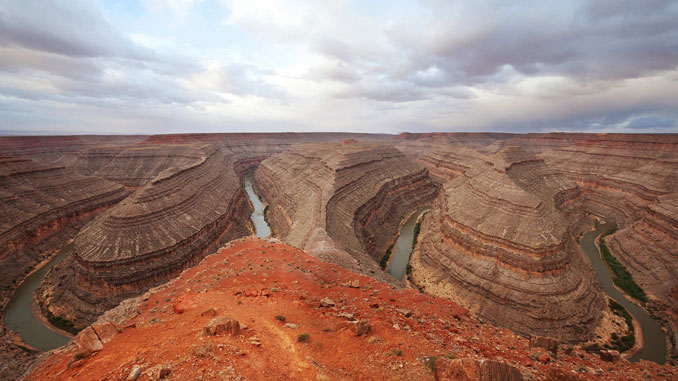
x: 500, y: 241
x: 39, y: 204
x: 166, y: 226
x: 342, y: 202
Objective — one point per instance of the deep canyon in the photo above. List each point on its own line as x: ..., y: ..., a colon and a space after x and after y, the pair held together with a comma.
x: 496, y: 271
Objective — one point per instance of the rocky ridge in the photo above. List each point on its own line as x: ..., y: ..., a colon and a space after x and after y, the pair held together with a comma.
x: 300, y: 318
x: 342, y: 202
x: 500, y: 240
x: 161, y: 229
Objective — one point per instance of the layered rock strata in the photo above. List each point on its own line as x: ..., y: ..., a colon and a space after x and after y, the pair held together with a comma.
x: 133, y: 166
x: 39, y: 204
x: 499, y: 240
x: 166, y: 226
x: 342, y: 202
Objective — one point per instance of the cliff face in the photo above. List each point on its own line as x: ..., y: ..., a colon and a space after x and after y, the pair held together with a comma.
x: 163, y: 228
x: 355, y: 328
x: 500, y: 241
x: 342, y: 202
x: 37, y: 204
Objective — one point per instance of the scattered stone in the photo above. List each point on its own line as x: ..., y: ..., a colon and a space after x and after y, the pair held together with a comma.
x: 210, y: 312
x: 405, y: 312
x: 547, y: 343
x: 346, y: 315
x: 556, y: 374
x: 291, y: 325
x: 544, y: 358
x: 222, y: 324
x: 135, y: 373
x: 354, y: 284
x: 610, y: 356
x: 326, y: 302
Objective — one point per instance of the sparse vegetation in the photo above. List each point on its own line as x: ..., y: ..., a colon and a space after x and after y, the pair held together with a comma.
x: 61, y: 323
x: 304, y: 338
x: 397, y: 352
x: 626, y: 342
x: 621, y: 277
x: 281, y: 318
x: 386, y: 257
x: 430, y: 362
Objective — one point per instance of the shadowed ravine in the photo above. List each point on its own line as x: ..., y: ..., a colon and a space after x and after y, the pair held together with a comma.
x: 20, y: 316
x: 260, y: 225
x: 403, y: 246
x: 654, y: 348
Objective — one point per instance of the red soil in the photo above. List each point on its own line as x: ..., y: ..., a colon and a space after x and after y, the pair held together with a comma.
x: 253, y: 281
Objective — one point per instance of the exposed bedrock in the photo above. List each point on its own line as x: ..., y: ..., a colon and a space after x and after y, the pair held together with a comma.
x: 47, y: 149
x: 40, y: 209
x: 647, y: 248
x: 133, y: 166
x: 342, y: 202
x: 500, y: 240
x: 163, y: 228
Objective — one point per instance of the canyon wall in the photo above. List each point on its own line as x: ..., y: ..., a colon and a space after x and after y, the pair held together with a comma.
x: 164, y: 227
x: 342, y: 202
x: 38, y: 205
x: 501, y: 240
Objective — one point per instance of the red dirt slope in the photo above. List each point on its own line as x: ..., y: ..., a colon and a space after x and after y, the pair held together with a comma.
x: 253, y: 281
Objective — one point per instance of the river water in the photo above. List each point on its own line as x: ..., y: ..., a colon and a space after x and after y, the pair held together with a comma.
x: 654, y: 348
x: 260, y: 226
x: 20, y: 314
x: 400, y: 255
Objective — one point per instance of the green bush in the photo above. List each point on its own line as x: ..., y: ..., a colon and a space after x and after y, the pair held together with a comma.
x: 626, y: 342
x: 304, y: 338
x: 621, y: 277
x: 281, y: 318
x: 385, y: 258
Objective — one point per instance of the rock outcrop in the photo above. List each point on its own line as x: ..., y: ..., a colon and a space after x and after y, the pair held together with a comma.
x: 419, y: 345
x: 38, y: 204
x: 500, y: 241
x: 342, y: 202
x: 166, y: 226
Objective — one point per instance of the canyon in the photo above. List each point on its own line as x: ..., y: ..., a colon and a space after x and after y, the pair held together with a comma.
x: 500, y: 245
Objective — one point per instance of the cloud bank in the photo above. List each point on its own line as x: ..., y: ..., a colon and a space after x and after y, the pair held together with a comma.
x: 127, y: 66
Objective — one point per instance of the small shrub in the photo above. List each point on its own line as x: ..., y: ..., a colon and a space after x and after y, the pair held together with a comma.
x: 281, y: 318
x: 397, y: 352
x: 430, y: 362
x: 304, y: 338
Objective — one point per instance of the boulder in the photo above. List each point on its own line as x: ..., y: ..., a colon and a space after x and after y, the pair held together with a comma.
x: 469, y: 369
x: 326, y: 302
x: 610, y: 356
x: 222, y: 324
x: 106, y: 331
x: 547, y: 343
x: 363, y: 327
x: 88, y: 341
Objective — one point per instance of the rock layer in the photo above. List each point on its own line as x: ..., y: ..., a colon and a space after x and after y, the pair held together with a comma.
x: 342, y: 202
x: 499, y: 240
x: 38, y: 203
x: 166, y: 226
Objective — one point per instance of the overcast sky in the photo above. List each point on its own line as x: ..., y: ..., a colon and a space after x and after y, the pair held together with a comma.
x: 164, y: 66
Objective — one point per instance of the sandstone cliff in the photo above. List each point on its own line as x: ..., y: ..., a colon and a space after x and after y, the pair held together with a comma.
x: 500, y: 241
x: 38, y: 203
x: 161, y: 229
x: 342, y: 202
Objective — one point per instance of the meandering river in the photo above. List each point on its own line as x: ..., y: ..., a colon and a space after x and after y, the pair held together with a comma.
x: 260, y: 226
x: 654, y: 348
x: 400, y: 254
x: 20, y: 314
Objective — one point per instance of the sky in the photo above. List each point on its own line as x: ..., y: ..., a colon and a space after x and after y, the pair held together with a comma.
x: 172, y: 66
